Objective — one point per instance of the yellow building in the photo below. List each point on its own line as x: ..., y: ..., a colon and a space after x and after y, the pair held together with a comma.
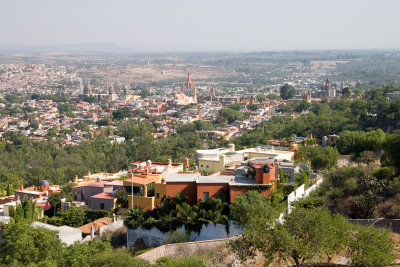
x: 212, y: 165
x: 137, y: 201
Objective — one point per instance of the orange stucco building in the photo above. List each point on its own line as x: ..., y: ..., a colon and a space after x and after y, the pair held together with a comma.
x: 201, y: 188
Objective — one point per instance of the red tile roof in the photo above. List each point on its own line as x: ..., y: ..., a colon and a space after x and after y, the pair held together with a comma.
x: 104, y: 195
x: 116, y: 182
x: 95, y: 184
x: 139, y: 180
x: 96, y: 224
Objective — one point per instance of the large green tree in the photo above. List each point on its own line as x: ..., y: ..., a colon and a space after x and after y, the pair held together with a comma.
x: 306, y: 234
x: 25, y: 245
x: 287, y: 91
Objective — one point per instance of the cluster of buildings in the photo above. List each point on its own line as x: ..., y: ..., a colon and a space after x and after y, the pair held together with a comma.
x: 222, y: 173
x: 74, y: 122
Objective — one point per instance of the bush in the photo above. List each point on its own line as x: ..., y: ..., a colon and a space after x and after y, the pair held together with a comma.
x: 176, y: 237
x: 118, y: 257
x: 287, y: 188
x: 310, y: 202
x: 181, y: 262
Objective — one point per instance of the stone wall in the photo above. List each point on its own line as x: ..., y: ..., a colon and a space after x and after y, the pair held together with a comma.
x: 155, y: 237
x: 391, y: 224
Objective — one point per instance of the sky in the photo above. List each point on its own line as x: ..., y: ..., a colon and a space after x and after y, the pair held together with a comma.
x: 204, y: 25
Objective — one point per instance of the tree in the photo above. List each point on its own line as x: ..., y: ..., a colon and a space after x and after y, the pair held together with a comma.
x: 145, y: 93
x: 252, y: 206
x: 392, y: 155
x: 287, y: 91
x: 121, y: 113
x: 346, y: 92
x: 51, y: 132
x: 26, y: 211
x: 82, y: 254
x: 273, y: 97
x: 122, y: 197
x: 260, y: 98
x: 55, y: 201
x: 134, y: 218
x: 306, y: 234
x: 25, y: 245
x: 303, y: 105
x: 320, y: 157
x: 283, y: 176
x: 303, y: 177
x: 370, y: 247
x: 74, y: 217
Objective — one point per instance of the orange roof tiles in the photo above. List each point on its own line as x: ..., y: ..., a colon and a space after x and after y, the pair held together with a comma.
x: 96, y: 224
x: 104, y: 195
x: 139, y: 180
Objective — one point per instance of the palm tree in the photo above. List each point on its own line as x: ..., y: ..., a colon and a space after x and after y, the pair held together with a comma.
x: 134, y: 218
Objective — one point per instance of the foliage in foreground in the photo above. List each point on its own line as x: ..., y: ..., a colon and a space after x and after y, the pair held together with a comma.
x: 307, y: 234
x: 29, y: 246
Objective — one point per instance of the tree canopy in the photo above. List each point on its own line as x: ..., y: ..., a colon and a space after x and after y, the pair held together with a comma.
x: 287, y: 91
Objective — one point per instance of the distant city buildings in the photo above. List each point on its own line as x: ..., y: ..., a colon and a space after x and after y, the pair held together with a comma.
x: 187, y: 94
x: 88, y: 93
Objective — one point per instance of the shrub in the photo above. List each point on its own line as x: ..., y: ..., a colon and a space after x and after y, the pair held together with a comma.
x: 182, y: 262
x: 176, y: 237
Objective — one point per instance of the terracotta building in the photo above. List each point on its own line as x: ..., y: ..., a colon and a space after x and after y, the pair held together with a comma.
x: 201, y: 188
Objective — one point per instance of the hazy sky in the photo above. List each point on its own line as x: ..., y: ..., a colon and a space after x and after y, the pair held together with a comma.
x: 204, y: 25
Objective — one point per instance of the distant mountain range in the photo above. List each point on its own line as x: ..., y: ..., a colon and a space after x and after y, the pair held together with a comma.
x: 75, y: 48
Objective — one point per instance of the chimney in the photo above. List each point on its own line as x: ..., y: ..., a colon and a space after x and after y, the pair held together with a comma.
x: 21, y: 187
x: 92, y: 232
x: 163, y: 180
x: 131, y: 176
x: 34, y: 187
x: 186, y: 162
x: 146, y: 171
x: 149, y: 163
x: 231, y: 147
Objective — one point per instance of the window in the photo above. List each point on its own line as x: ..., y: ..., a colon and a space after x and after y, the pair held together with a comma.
x: 201, y: 165
x: 221, y: 196
x: 207, y: 166
x: 102, y: 206
x: 82, y: 195
x: 158, y: 195
x: 75, y: 195
x: 205, y: 196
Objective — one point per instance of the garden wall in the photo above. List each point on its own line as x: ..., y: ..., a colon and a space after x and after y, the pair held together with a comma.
x: 155, y: 237
x: 183, y: 249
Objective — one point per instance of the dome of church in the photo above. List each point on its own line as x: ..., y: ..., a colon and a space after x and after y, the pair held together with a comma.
x: 44, y: 182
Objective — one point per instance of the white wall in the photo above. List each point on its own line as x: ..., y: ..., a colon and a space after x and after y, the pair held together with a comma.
x: 111, y: 227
